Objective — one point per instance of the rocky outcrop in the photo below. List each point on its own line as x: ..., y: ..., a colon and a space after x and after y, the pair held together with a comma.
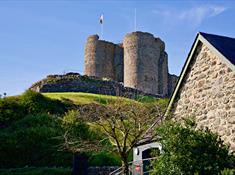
x: 74, y: 82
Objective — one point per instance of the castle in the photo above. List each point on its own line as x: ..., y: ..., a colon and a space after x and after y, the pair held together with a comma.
x: 140, y: 62
x: 139, y: 65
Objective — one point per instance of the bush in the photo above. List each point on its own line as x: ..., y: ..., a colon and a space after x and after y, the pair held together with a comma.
x: 29, y: 130
x: 15, y: 108
x: 36, y: 103
x: 228, y: 172
x: 10, y: 111
x: 190, y: 151
x: 31, y: 141
x: 104, y: 159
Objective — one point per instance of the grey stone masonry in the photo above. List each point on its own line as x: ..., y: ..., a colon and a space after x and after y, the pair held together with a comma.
x: 141, y: 57
x: 103, y: 59
x: 141, y: 62
x: 208, y: 93
x: 74, y: 82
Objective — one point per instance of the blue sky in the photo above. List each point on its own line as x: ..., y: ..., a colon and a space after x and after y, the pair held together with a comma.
x: 38, y: 38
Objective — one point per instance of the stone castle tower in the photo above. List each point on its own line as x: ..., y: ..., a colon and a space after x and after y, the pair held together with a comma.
x: 140, y: 62
x: 103, y: 59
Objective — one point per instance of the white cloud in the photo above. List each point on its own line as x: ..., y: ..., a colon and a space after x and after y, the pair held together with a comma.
x: 195, y: 16
x: 198, y: 14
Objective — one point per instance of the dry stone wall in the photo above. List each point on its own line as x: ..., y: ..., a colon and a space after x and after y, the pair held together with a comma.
x: 74, y: 82
x: 208, y: 93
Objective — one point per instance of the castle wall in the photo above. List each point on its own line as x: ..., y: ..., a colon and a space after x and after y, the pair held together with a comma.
x: 172, y: 80
x: 141, y: 61
x: 103, y: 59
x: 90, y: 54
x: 118, y: 63
x: 163, y: 73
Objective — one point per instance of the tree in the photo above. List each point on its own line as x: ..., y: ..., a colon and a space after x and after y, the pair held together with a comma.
x: 121, y: 123
x: 78, y: 138
x: 188, y: 150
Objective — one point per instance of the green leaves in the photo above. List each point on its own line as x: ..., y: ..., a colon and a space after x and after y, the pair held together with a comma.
x: 37, y: 103
x: 188, y: 150
x: 13, y: 109
x: 79, y: 136
x: 30, y: 141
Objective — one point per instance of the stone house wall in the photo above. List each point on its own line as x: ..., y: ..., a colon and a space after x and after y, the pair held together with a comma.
x: 208, y: 93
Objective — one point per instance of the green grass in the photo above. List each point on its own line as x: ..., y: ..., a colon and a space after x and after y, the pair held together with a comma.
x: 146, y: 99
x: 84, y: 98
x: 36, y: 171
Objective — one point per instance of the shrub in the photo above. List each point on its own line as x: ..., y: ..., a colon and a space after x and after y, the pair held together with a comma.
x: 10, y: 110
x: 191, y: 151
x: 36, y: 103
x: 15, y: 108
x: 104, y: 159
x: 228, y: 172
x: 31, y: 141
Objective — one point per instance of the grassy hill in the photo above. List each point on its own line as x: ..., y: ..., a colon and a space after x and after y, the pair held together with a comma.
x: 30, y: 124
x: 83, y: 98
x: 86, y: 98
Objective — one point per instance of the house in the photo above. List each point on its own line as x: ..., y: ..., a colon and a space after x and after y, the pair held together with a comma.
x: 205, y: 89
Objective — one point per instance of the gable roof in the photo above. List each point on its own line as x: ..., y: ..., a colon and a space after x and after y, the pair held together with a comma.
x: 223, y: 47
x: 223, y: 44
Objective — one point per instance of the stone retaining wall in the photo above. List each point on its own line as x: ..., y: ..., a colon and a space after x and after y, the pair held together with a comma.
x: 101, y: 170
x: 74, y: 82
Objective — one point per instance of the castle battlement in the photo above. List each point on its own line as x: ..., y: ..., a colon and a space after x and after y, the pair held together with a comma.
x: 139, y: 62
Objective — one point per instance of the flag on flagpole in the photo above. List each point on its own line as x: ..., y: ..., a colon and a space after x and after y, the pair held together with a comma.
x: 102, y: 19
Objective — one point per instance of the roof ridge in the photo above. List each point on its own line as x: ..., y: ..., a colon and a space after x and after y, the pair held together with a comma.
x: 204, y: 33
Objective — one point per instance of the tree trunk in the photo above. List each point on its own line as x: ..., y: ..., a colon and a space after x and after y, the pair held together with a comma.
x: 125, y: 167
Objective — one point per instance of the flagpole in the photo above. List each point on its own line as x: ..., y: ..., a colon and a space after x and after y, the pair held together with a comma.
x: 102, y: 30
x: 135, y: 21
x: 101, y: 26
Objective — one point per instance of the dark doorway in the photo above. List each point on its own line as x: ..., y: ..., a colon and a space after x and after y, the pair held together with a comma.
x: 146, y: 155
x: 146, y: 163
